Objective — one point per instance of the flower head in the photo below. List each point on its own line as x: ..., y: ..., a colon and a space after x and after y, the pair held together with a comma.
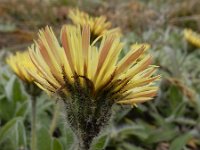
x: 98, y: 25
x: 192, y: 37
x: 20, y: 63
x: 94, y: 69
x: 90, y: 78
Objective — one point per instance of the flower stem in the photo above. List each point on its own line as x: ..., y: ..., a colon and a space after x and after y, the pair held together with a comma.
x: 54, y: 120
x: 33, y: 124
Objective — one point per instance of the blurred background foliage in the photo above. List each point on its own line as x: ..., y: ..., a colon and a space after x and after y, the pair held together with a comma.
x: 169, y: 122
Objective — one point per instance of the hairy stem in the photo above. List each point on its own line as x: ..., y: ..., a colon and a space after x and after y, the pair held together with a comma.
x: 54, y: 120
x: 33, y: 124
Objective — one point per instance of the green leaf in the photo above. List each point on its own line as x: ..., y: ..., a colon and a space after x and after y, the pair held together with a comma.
x: 180, y: 141
x: 137, y: 130
x: 99, y: 143
x: 13, y: 90
x: 128, y: 146
x: 43, y: 107
x: 175, y: 97
x: 7, y: 109
x: 22, y: 141
x: 7, y: 128
x: 13, y: 133
x: 179, y: 110
x: 22, y: 110
x: 162, y: 134
x: 57, y: 145
x: 44, y: 141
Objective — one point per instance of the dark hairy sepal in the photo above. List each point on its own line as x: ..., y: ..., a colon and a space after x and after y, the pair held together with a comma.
x: 88, y: 111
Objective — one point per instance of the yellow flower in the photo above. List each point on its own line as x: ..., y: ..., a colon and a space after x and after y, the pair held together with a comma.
x: 91, y: 69
x: 98, y: 25
x: 192, y: 37
x: 20, y: 63
x: 89, y: 77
